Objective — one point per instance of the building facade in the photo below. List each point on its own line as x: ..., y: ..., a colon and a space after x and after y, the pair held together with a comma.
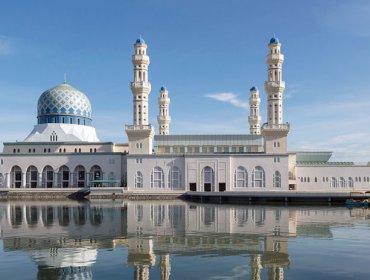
x: 64, y: 151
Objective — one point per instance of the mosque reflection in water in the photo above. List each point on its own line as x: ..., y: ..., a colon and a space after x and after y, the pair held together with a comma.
x: 64, y: 239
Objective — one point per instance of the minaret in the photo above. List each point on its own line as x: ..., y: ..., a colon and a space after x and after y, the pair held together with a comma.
x: 164, y: 118
x: 275, y: 131
x: 275, y: 85
x: 141, y: 133
x: 140, y: 87
x: 254, y: 112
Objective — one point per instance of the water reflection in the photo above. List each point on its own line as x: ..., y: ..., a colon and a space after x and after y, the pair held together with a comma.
x: 64, y: 239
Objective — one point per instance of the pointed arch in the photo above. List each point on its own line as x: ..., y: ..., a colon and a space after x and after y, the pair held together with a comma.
x: 157, y: 178
x: 47, y: 177
x: 258, y: 177
x: 16, y: 177
x: 138, y: 180
x: 350, y: 182
x: 240, y: 177
x: 96, y: 174
x: 208, y: 179
x: 342, y: 182
x: 32, y: 176
x: 64, y: 177
x: 174, y: 178
x: 277, y: 179
x: 79, y: 176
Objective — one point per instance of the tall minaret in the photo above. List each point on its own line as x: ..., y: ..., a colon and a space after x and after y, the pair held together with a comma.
x: 164, y: 118
x: 275, y: 131
x: 141, y: 133
x: 275, y: 85
x: 140, y: 87
x: 254, y: 112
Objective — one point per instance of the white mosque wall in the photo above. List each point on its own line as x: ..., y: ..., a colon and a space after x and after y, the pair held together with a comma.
x: 333, y: 178
x: 109, y: 164
x: 214, y: 170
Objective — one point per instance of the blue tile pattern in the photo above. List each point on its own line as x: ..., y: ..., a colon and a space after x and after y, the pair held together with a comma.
x: 63, y: 100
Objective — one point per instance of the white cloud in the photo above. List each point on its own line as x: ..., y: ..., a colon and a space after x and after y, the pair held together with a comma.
x: 230, y: 98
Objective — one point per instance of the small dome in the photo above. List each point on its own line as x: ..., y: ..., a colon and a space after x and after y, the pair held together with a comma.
x: 140, y: 41
x: 253, y: 88
x: 163, y: 88
x: 274, y: 40
x: 64, y: 104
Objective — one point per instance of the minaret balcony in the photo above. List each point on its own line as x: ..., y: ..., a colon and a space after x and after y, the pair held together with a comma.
x: 254, y: 100
x: 275, y: 85
x: 139, y: 127
x: 140, y: 59
x: 254, y: 118
x: 164, y: 119
x: 274, y: 58
x: 281, y: 126
x: 140, y: 85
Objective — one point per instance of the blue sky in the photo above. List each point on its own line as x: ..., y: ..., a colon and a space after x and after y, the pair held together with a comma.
x: 198, y: 49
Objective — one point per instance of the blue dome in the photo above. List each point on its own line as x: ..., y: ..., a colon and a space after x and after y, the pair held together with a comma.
x: 253, y: 89
x: 163, y: 88
x: 140, y: 41
x: 64, y: 104
x: 274, y: 40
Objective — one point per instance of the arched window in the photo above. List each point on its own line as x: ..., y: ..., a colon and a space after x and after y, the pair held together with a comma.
x: 96, y: 174
x: 350, y: 182
x: 31, y: 177
x: 240, y: 177
x: 16, y: 177
x: 157, y: 178
x: 208, y: 179
x: 138, y: 180
x: 63, y: 177
x: 79, y: 177
x: 47, y: 177
x: 258, y: 177
x: 174, y: 178
x: 333, y: 182
x: 342, y: 182
x: 277, y: 180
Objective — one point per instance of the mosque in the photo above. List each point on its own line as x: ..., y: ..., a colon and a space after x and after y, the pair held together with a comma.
x: 64, y: 151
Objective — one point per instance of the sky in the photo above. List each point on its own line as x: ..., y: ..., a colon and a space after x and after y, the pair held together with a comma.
x: 208, y: 53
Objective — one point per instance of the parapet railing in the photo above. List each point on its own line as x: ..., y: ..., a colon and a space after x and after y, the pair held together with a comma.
x: 130, y: 127
x: 276, y: 126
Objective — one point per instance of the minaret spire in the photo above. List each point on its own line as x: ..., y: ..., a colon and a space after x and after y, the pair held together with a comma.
x: 275, y: 85
x: 140, y: 87
x: 141, y: 133
x: 164, y: 118
x: 254, y: 112
x: 275, y: 131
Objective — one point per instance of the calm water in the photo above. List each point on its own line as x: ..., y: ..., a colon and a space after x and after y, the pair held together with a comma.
x: 179, y: 240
